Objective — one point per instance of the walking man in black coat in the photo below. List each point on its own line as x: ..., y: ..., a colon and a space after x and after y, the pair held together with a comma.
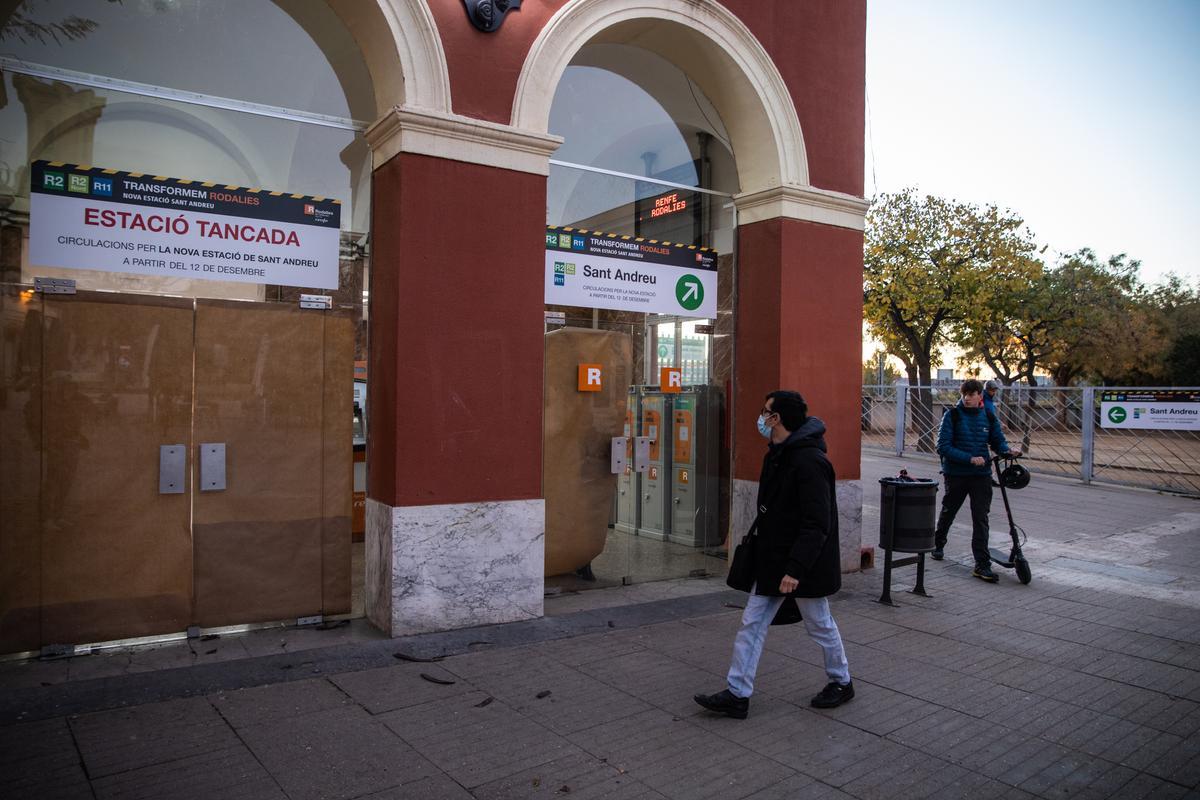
x: 796, y: 554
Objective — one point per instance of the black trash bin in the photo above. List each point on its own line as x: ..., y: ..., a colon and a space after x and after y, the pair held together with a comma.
x: 907, y: 512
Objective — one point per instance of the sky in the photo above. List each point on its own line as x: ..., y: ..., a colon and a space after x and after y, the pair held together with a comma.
x: 1082, y: 116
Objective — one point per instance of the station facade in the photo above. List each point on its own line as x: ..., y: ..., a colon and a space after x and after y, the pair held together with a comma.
x: 546, y: 264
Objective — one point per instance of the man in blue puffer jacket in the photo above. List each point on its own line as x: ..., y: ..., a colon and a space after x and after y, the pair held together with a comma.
x: 963, y: 439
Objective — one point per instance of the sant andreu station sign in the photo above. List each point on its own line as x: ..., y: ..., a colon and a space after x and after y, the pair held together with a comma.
x: 627, y: 273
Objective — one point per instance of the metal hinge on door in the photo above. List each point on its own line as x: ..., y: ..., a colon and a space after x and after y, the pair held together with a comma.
x: 322, y: 302
x: 54, y: 285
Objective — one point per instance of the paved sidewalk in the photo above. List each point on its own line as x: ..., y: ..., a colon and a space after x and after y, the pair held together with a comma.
x: 1086, y: 683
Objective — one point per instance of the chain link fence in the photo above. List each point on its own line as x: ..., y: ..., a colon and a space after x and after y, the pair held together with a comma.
x: 1058, y: 429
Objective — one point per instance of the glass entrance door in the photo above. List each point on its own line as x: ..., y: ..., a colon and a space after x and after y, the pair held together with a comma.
x: 667, y: 506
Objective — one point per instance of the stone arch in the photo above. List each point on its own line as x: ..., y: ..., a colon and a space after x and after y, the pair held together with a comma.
x: 403, y: 50
x: 711, y: 45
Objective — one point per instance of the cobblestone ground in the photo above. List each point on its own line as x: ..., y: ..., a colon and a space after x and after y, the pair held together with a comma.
x: 1086, y: 683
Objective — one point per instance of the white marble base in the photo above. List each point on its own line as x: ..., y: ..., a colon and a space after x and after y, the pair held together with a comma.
x: 850, y: 532
x: 436, y: 568
x: 849, y: 499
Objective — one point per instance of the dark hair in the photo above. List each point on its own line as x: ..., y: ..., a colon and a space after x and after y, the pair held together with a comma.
x: 971, y: 386
x: 790, y: 407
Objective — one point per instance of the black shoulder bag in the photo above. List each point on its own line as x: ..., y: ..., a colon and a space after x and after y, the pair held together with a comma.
x: 741, y: 567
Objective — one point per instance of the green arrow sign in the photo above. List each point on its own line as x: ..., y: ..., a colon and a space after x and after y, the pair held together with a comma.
x: 1117, y: 414
x: 689, y: 292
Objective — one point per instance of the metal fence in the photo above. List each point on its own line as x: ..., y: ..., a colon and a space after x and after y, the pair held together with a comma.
x: 1058, y: 429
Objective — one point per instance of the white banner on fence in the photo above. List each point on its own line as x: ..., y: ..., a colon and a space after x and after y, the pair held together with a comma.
x: 1151, y: 410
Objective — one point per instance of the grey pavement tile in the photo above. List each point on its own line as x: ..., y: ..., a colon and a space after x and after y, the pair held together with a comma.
x: 476, y: 739
x: 488, y: 661
x: 800, y: 786
x: 39, y: 759
x: 1144, y: 746
x: 864, y: 630
x: 657, y: 679
x: 435, y: 787
x: 1030, y: 713
x: 875, y: 709
x: 231, y: 774
x: 98, y: 665
x: 1181, y: 718
x: 33, y: 673
x: 1148, y: 787
x: 559, y: 697
x: 1069, y: 769
x: 1094, y: 779
x: 952, y: 782
x: 278, y: 701
x: 337, y: 753
x: 785, y: 677
x: 913, y: 777
x: 1180, y: 764
x: 1025, y: 761
x: 578, y: 775
x: 679, y: 759
x: 709, y: 648
x: 938, y: 732
x: 580, y: 650
x: 881, y: 759
x: 389, y: 688
x: 988, y: 746
x: 129, y: 738
x: 808, y: 742
x: 186, y: 653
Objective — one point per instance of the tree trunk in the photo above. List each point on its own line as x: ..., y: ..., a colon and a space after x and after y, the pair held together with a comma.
x: 923, y: 409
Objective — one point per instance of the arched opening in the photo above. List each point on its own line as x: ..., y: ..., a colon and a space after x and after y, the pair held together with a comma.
x: 708, y: 44
x: 703, y: 116
x: 217, y: 361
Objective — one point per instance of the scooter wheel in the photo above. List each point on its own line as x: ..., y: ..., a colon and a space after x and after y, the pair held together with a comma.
x: 1024, y: 575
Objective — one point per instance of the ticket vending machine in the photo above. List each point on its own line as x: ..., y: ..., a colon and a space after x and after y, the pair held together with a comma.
x: 694, y: 467
x: 655, y: 481
x: 627, y: 481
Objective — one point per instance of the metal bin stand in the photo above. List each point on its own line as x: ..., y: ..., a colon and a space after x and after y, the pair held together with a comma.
x: 907, y: 510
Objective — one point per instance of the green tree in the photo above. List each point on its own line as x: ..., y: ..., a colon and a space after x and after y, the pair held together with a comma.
x: 1101, y: 322
x: 1179, y: 306
x: 872, y: 376
x: 929, y: 264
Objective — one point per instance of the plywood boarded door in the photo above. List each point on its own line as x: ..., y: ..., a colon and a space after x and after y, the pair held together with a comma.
x: 116, y: 385
x: 274, y: 386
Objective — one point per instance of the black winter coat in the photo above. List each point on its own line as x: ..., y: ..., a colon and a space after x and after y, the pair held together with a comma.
x: 798, y: 531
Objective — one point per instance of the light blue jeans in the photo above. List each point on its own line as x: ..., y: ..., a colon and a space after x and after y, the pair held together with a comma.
x: 756, y: 621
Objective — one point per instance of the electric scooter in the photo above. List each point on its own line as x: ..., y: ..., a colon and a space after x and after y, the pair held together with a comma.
x: 1013, y: 476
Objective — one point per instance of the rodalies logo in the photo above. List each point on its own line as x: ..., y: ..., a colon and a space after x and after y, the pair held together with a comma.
x: 561, y: 270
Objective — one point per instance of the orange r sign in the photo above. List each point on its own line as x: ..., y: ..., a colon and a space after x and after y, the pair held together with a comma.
x: 591, y: 377
x: 670, y: 379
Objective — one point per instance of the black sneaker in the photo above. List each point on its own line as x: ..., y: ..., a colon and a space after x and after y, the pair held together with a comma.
x: 833, y: 695
x: 938, y: 554
x: 984, y: 573
x: 724, y: 702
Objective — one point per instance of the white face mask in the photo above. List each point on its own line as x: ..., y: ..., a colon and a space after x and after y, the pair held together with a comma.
x: 763, y: 428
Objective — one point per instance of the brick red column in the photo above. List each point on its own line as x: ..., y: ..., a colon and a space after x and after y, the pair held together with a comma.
x: 455, y: 381
x: 799, y: 326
